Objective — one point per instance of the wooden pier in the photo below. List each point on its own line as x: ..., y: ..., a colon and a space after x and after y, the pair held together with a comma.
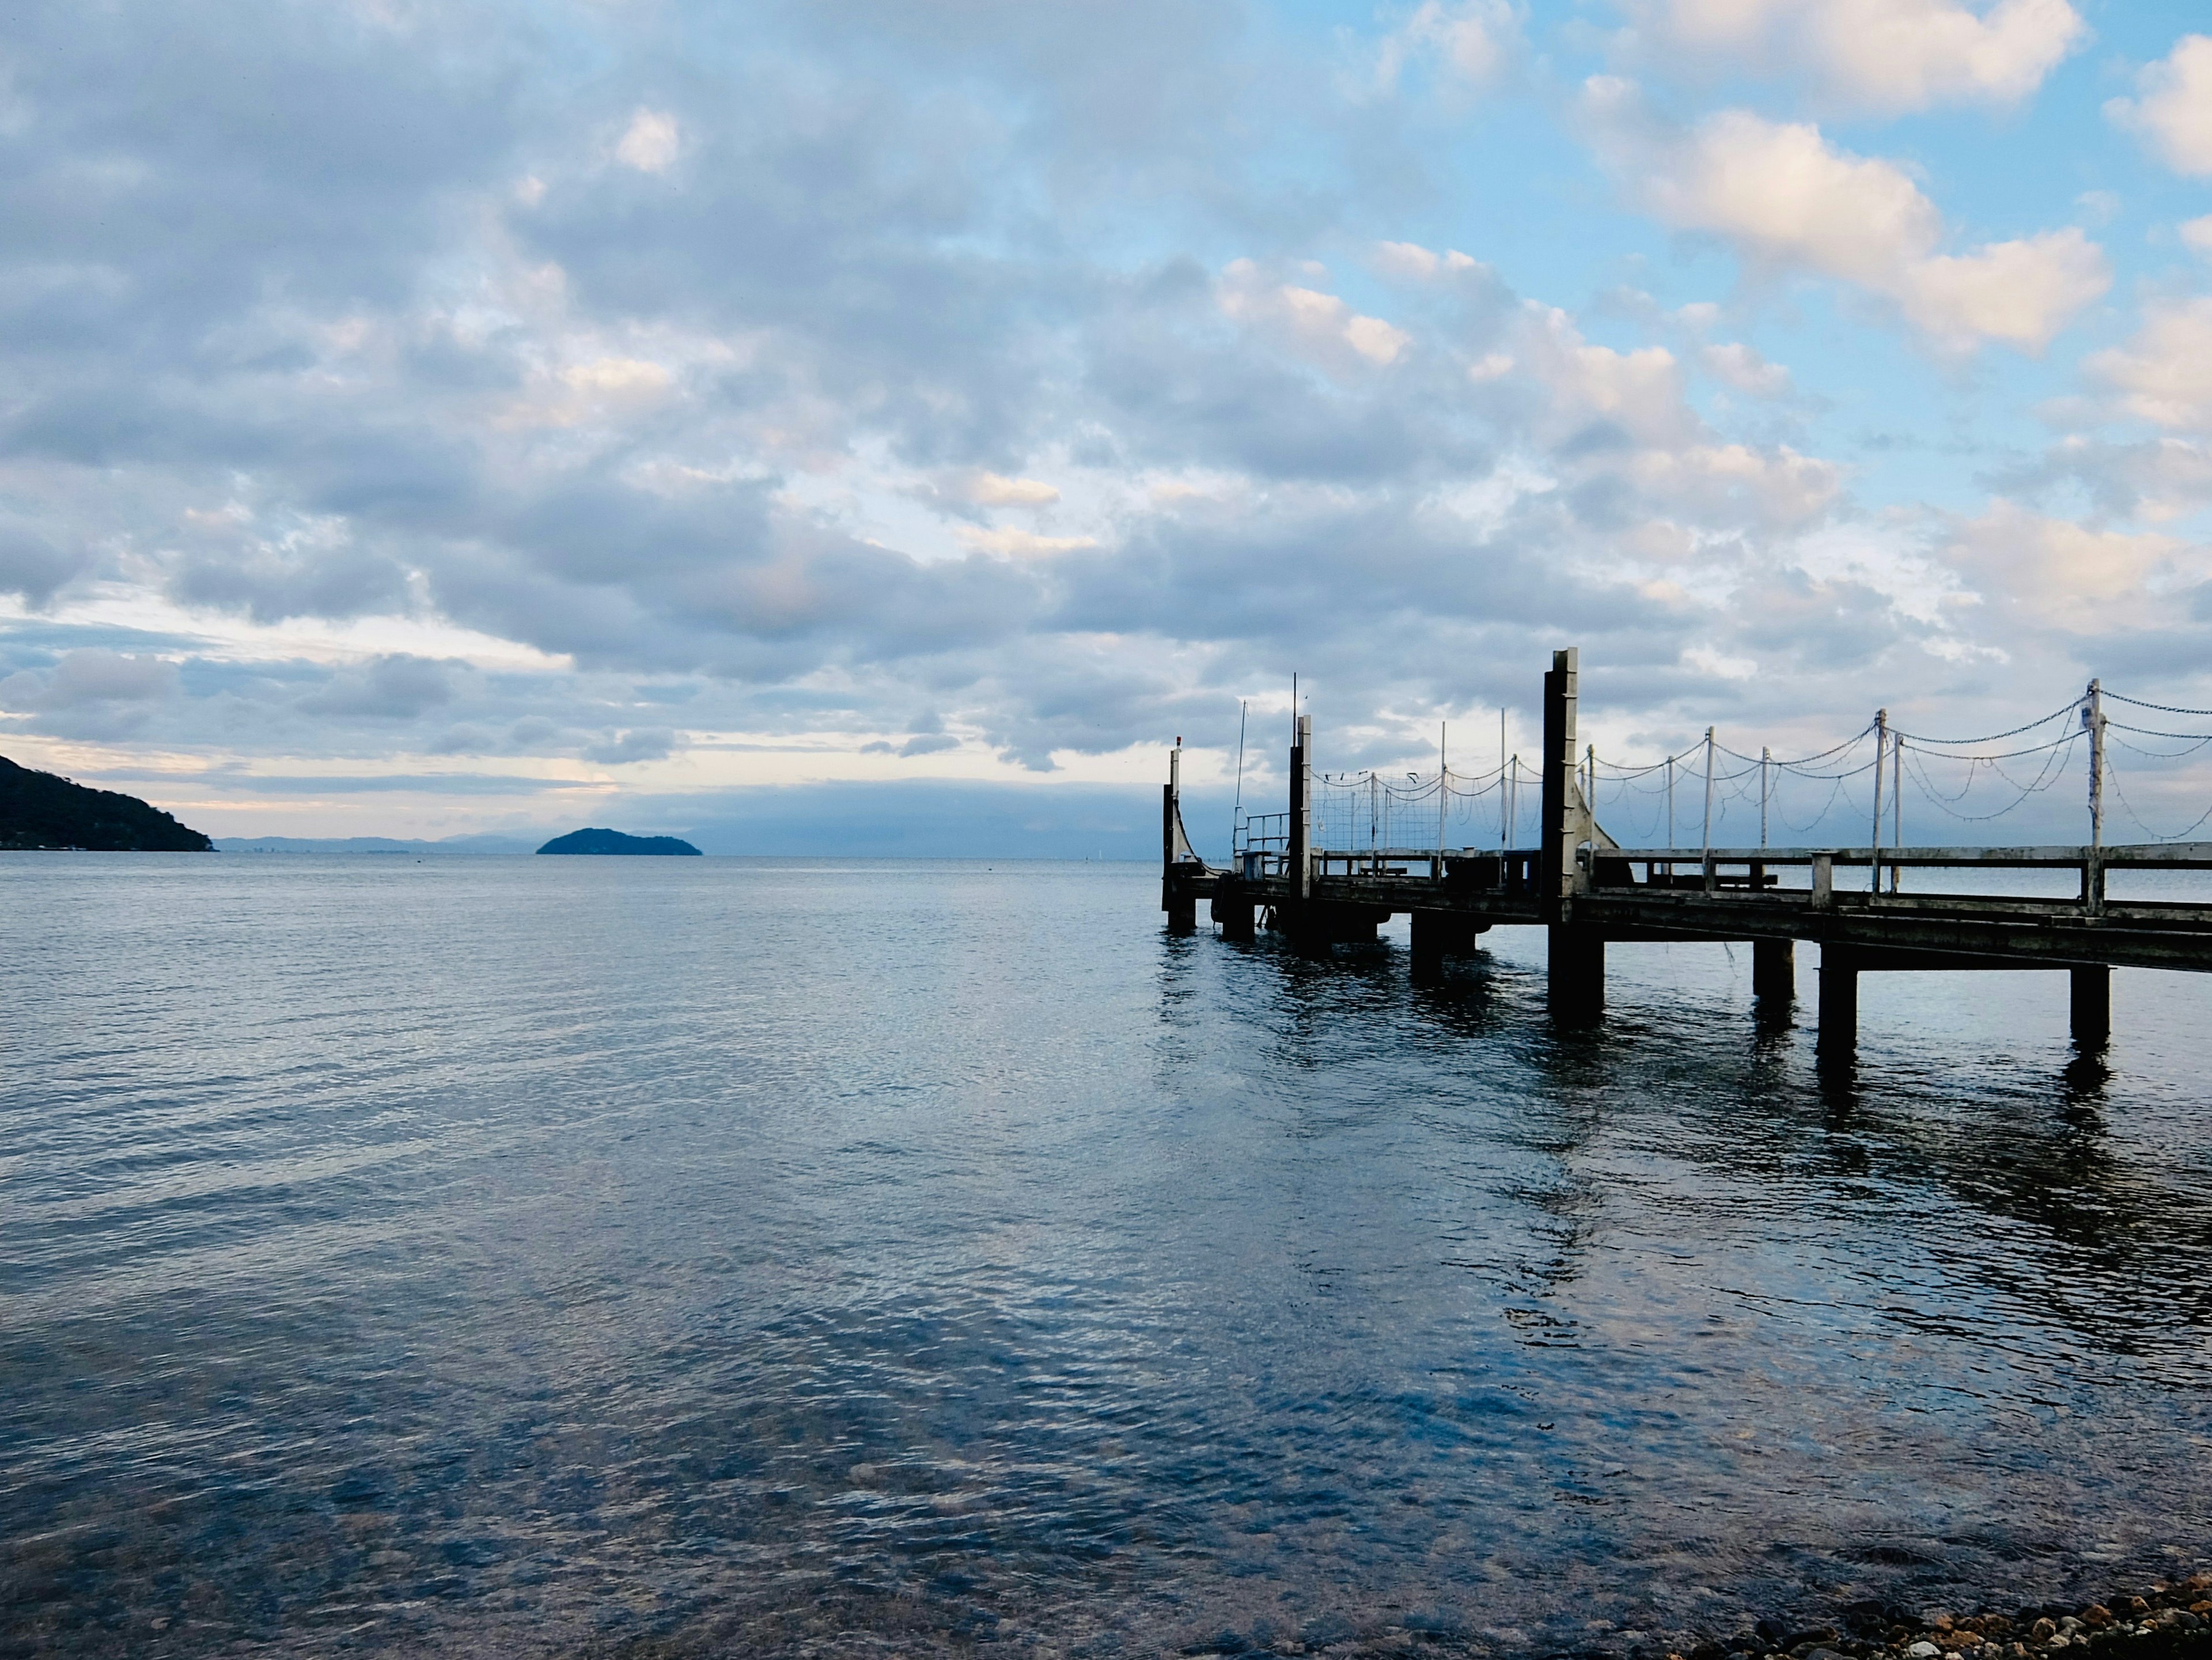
x: 1588, y: 892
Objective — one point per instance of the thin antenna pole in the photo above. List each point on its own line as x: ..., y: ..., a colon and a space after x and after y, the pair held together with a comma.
x: 1881, y: 754
x: 1670, y: 816
x: 2093, y: 717
x: 1765, y: 756
x: 1505, y: 816
x: 1443, y: 791
x: 1709, y: 790
x: 1896, y: 807
x: 1236, y: 809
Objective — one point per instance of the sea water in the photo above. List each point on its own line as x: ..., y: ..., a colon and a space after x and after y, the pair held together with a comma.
x: 674, y: 1255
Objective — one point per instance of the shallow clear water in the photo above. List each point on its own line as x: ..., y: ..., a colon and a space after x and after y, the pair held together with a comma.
x: 666, y: 1256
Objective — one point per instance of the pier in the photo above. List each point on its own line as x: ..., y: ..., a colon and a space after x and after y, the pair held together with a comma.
x: 1586, y: 891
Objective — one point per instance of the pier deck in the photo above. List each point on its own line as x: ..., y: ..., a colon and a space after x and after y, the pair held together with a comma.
x: 1588, y: 893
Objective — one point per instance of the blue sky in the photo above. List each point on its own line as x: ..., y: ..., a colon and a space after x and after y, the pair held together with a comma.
x: 523, y: 416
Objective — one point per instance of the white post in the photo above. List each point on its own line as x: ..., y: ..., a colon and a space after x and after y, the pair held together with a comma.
x: 1880, y: 754
x: 2093, y: 871
x: 1504, y: 814
x: 1444, y: 793
x: 1709, y: 791
x: 1765, y: 756
x: 1896, y: 807
x: 2093, y: 717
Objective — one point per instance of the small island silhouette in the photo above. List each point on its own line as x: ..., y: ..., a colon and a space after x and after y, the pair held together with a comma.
x: 608, y: 841
x: 44, y: 810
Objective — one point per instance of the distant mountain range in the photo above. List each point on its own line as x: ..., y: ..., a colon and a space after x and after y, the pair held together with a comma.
x: 384, y: 844
x: 44, y: 810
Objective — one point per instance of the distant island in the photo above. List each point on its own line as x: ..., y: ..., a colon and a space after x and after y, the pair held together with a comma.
x: 607, y: 841
x: 43, y: 810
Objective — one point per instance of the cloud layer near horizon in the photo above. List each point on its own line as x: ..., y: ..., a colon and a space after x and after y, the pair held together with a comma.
x: 666, y: 398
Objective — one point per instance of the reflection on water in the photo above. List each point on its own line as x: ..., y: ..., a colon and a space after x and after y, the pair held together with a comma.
x: 687, y: 1256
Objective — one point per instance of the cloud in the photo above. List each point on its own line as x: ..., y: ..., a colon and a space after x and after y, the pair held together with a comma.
x: 2163, y: 373
x: 2172, y: 107
x: 1319, y: 326
x: 96, y: 676
x: 31, y: 563
x: 397, y: 383
x: 644, y: 744
x: 1410, y: 261
x: 1787, y: 198
x: 991, y: 489
x: 1472, y: 41
x: 395, y: 686
x: 1020, y: 544
x: 1884, y: 56
x: 2196, y: 236
x: 650, y: 143
x: 2066, y: 576
x: 1743, y: 368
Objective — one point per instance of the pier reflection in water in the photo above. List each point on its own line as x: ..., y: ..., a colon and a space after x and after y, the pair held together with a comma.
x: 702, y: 1254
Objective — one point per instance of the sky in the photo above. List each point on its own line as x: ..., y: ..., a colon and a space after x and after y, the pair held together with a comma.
x: 426, y: 419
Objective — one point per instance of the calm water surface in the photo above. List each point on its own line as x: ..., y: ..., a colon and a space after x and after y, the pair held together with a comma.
x: 713, y: 1256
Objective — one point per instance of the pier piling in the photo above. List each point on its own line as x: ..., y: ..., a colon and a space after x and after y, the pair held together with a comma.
x: 1774, y: 975
x: 2091, y: 1006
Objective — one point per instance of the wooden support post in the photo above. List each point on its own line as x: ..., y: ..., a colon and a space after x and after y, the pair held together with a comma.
x: 1176, y: 898
x: 1774, y: 975
x: 2092, y: 1008
x: 1837, y: 1039
x: 1575, y: 975
x: 1441, y: 933
x: 1232, y: 908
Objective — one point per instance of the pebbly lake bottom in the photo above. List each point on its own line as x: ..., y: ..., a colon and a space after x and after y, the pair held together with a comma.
x: 500, y: 1256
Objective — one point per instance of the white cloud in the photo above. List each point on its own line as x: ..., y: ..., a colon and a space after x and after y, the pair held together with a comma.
x: 1321, y: 326
x: 2164, y: 373
x: 991, y: 489
x: 2020, y: 292
x: 651, y: 144
x: 2196, y: 236
x: 2173, y: 107
x: 1020, y: 544
x: 1474, y: 40
x: 1410, y: 260
x: 1887, y: 56
x: 1743, y: 368
x: 1640, y: 391
x: 1787, y: 197
x: 620, y: 379
x: 2062, y: 574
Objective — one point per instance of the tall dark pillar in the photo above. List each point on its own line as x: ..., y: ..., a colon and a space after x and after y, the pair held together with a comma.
x: 1575, y: 975
x: 2091, y: 1006
x: 1774, y: 975
x: 1441, y: 933
x: 1181, y: 907
x: 1232, y: 908
x: 1838, y: 1035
